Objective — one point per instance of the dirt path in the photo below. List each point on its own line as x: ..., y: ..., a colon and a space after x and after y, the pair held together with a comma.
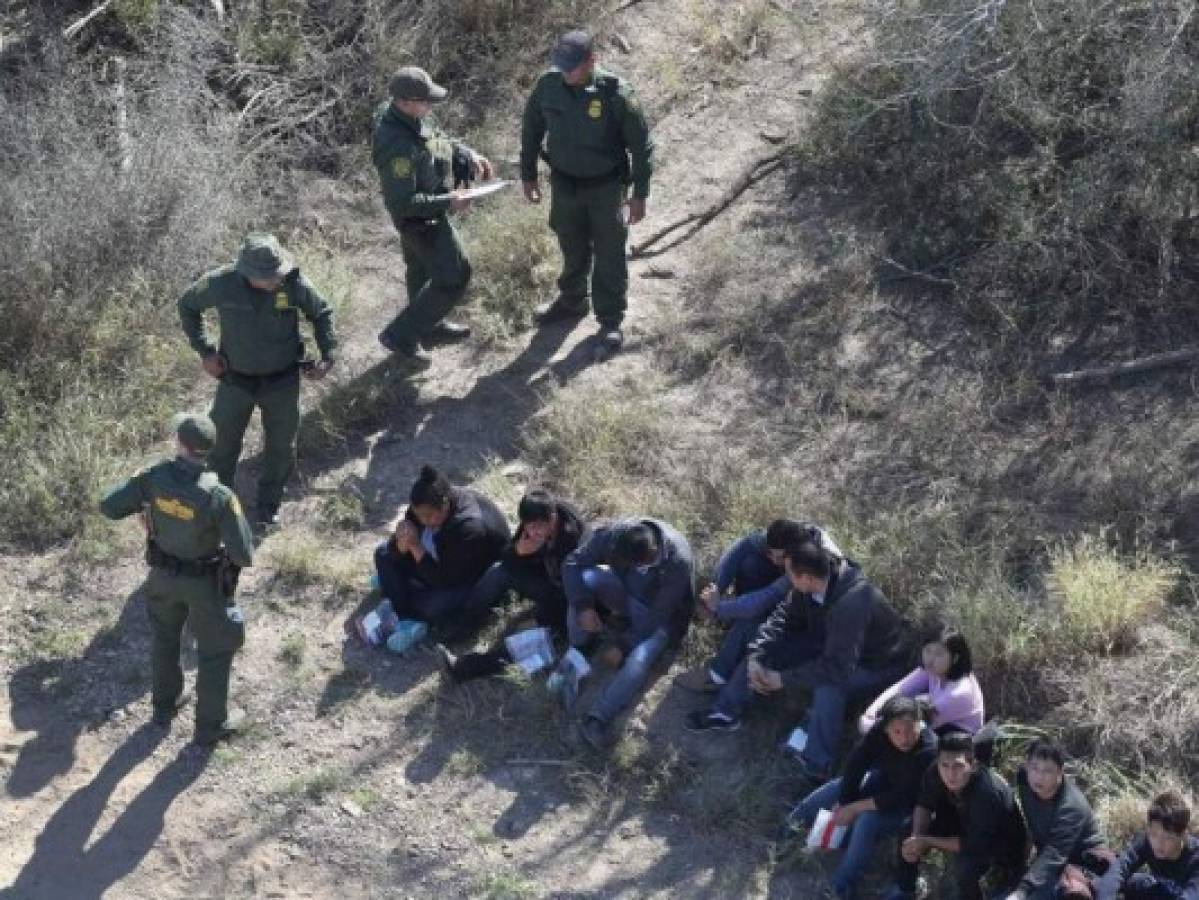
x: 361, y: 777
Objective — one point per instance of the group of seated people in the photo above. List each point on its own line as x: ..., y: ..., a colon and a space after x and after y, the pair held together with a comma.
x: 800, y: 613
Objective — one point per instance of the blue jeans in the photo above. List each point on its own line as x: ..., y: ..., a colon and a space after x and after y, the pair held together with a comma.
x: 410, y: 597
x: 623, y: 689
x: 867, y: 830
x: 733, y: 647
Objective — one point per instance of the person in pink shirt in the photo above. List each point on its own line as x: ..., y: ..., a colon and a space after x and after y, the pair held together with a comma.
x: 944, y: 678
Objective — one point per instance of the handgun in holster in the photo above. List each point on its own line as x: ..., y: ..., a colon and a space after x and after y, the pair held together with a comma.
x: 227, y: 574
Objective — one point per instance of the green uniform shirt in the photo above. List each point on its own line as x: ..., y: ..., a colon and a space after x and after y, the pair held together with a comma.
x: 590, y: 131
x: 191, y: 513
x: 414, y: 159
x: 260, y: 330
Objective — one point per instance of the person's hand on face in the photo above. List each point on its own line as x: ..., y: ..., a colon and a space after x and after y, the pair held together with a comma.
x: 405, y: 536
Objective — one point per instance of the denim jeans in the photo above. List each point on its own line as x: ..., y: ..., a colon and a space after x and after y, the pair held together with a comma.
x: 410, y: 597
x: 754, y: 571
x: 733, y: 647
x: 867, y: 831
x: 622, y: 690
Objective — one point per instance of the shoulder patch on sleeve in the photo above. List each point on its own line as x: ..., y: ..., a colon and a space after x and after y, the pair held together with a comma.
x: 401, y: 167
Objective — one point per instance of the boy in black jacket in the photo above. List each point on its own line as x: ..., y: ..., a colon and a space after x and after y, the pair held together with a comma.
x: 1166, y: 849
x: 1070, y: 853
x: 968, y: 810
x: 834, y: 634
x: 531, y: 565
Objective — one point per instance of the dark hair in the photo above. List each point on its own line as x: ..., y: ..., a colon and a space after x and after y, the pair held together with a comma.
x: 536, y: 506
x: 636, y: 546
x: 430, y: 489
x: 1043, y: 748
x: 1170, y: 811
x: 809, y: 558
x: 955, y: 643
x: 956, y: 743
x: 900, y: 707
x: 784, y: 533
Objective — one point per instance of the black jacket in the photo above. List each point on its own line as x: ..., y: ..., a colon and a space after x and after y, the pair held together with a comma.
x: 1063, y: 829
x: 547, y: 562
x: 990, y: 824
x: 1183, y: 872
x: 470, y: 540
x: 900, y: 773
x: 664, y: 596
x: 860, y: 629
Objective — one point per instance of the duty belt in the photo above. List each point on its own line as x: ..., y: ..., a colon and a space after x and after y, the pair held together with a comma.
x: 252, y: 384
x: 158, y: 558
x: 578, y: 182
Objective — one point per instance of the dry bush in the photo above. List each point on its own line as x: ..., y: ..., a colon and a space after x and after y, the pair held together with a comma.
x: 1102, y: 599
x: 1037, y: 162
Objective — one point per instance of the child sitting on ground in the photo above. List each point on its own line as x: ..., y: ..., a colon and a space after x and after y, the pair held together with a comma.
x: 1171, y: 855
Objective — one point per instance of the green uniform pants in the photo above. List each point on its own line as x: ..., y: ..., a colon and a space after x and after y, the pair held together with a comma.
x: 171, y: 601
x: 436, y: 274
x: 278, y: 399
x: 588, y: 219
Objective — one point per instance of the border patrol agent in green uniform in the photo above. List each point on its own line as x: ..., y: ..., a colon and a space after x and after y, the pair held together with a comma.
x: 414, y: 160
x: 597, y: 142
x: 189, y: 517
x: 258, y: 301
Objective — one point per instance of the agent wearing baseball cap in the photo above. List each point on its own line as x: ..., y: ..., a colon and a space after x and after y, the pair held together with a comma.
x: 414, y: 160
x: 190, y: 516
x: 597, y: 144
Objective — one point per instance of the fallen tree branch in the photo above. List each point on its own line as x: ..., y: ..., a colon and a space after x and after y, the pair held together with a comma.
x: 539, y: 762
x: 906, y: 272
x: 1144, y: 364
x: 693, y: 222
x: 79, y: 24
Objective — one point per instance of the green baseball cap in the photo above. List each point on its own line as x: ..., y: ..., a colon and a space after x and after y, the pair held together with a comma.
x: 196, y: 431
x: 413, y: 83
x: 571, y: 51
x: 263, y: 258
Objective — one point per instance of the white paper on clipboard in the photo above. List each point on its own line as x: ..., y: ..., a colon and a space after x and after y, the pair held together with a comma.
x: 484, y: 189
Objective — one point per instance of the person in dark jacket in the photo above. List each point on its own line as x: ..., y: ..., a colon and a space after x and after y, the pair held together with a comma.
x: 877, y: 791
x: 1070, y: 853
x: 750, y: 582
x: 834, y: 634
x: 443, y: 544
x: 531, y: 565
x: 640, y: 574
x: 966, y: 809
x: 1170, y: 854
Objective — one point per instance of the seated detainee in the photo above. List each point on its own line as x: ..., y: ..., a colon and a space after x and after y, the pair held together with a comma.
x: 531, y: 565
x: 834, y: 634
x: 1069, y: 851
x: 877, y: 791
x: 945, y: 678
x: 640, y: 573
x: 443, y: 544
x: 966, y: 809
x: 753, y: 570
x: 1170, y: 854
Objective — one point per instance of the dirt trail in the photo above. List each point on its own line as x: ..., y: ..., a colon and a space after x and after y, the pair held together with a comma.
x: 361, y: 778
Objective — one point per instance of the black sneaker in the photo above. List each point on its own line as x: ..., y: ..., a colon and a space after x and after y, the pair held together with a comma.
x: 710, y: 720
x: 609, y: 340
x: 232, y: 726
x: 164, y: 715
x: 560, y: 310
x: 445, y: 333
x: 447, y: 662
x: 594, y: 732
x: 408, y: 351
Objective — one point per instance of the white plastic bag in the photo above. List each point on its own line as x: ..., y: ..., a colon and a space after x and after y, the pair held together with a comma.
x: 824, y: 834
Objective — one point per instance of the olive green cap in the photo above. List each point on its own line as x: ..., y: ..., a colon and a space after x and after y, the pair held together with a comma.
x: 196, y: 432
x: 413, y: 83
x: 571, y: 50
x: 263, y: 258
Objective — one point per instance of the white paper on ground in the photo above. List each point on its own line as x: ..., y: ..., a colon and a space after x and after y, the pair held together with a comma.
x: 797, y: 740
x: 824, y: 834
x: 531, y: 649
x: 483, y: 190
